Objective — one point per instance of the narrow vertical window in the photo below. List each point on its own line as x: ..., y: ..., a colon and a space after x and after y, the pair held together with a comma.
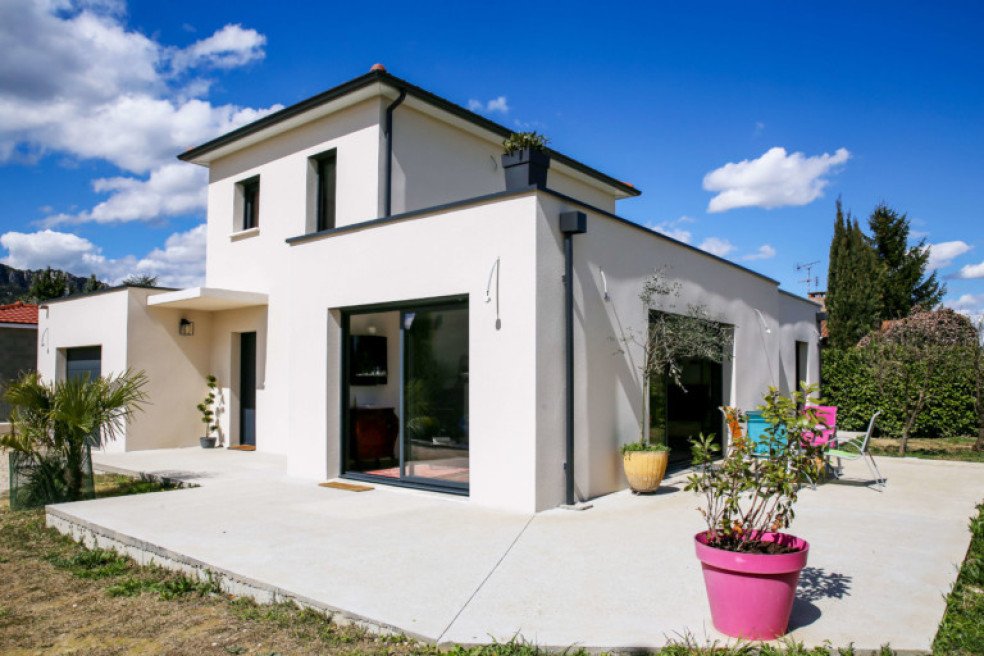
x: 250, y: 190
x: 324, y: 166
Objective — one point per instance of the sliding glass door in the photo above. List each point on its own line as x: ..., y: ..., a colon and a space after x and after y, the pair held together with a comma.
x: 406, y: 394
x: 435, y: 394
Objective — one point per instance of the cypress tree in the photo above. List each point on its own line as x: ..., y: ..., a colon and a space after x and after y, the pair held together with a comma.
x: 854, y: 278
x: 905, y: 283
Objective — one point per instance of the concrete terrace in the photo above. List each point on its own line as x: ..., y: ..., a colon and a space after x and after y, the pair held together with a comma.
x: 621, y: 575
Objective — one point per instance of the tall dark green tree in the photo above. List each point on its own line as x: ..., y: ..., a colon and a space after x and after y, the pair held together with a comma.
x: 92, y: 284
x: 854, y: 278
x: 48, y: 284
x: 906, y: 285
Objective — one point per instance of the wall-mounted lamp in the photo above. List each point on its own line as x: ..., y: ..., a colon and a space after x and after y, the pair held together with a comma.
x: 186, y: 327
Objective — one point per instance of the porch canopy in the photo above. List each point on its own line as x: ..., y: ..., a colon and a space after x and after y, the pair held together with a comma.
x: 207, y: 299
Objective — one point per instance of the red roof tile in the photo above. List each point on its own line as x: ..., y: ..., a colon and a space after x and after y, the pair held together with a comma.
x: 19, y: 312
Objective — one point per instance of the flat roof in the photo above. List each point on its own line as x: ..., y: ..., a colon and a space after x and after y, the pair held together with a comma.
x: 207, y: 299
x: 197, y: 154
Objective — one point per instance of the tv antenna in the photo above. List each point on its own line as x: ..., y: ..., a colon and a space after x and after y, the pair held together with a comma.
x: 812, y: 281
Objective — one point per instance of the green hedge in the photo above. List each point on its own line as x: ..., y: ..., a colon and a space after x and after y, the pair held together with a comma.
x: 848, y: 384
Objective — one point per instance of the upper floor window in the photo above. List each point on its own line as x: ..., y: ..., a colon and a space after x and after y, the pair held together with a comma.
x: 323, y: 167
x: 249, y: 195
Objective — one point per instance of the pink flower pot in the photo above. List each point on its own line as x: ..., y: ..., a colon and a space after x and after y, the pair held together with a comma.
x: 751, y: 595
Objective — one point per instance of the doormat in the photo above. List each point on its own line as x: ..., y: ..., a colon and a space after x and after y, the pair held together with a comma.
x: 351, y: 487
x: 242, y: 447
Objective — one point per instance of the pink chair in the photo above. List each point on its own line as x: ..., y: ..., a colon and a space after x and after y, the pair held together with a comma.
x: 827, y: 414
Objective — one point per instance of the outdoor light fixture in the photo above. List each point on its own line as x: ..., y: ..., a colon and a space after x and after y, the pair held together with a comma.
x: 186, y: 328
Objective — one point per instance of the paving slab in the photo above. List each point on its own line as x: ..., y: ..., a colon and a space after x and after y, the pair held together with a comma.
x: 621, y: 575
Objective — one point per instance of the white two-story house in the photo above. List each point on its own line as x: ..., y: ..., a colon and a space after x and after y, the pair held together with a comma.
x: 379, y: 306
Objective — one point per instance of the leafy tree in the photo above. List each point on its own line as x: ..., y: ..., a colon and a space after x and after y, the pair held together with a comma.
x: 907, y: 356
x: 92, y: 284
x: 48, y: 284
x: 54, y: 424
x: 671, y: 339
x: 141, y: 280
x: 854, y: 278
x: 905, y: 285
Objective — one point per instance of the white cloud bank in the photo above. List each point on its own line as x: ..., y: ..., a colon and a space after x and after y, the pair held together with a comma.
x: 717, y: 246
x: 776, y: 179
x: 943, y: 253
x: 76, y: 81
x: 180, y: 263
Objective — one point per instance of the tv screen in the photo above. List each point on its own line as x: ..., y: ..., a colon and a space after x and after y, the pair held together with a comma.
x: 367, y: 360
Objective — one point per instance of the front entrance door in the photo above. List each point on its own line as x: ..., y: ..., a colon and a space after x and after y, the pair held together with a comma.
x: 247, y: 388
x: 85, y: 361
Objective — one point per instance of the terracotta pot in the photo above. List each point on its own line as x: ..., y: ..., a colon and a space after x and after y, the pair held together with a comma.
x: 751, y: 595
x: 645, y: 469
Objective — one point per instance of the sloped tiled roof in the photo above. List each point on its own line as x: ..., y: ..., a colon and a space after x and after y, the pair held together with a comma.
x: 19, y: 312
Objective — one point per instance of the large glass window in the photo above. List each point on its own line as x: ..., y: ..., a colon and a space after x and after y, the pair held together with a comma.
x: 406, y: 389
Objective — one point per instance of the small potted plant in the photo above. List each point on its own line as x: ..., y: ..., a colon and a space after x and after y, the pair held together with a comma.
x: 751, y: 568
x: 207, y: 409
x: 670, y: 339
x: 525, y: 160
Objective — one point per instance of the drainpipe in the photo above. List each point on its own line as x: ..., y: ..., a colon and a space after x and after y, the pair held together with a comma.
x: 571, y: 223
x: 388, y: 129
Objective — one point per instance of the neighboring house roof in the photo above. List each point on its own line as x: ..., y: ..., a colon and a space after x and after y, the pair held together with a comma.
x: 379, y: 75
x: 19, y: 312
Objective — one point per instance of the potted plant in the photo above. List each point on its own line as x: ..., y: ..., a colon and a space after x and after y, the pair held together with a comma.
x: 751, y: 568
x: 207, y: 410
x: 525, y: 160
x: 669, y: 339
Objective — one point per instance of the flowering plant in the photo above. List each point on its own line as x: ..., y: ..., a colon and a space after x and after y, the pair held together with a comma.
x: 752, y: 490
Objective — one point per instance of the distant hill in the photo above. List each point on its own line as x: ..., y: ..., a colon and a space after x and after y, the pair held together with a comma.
x: 15, y: 283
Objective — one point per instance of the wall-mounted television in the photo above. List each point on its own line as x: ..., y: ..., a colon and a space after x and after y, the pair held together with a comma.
x: 367, y: 360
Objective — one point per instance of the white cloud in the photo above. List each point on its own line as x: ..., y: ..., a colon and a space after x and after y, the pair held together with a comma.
x: 776, y: 179
x: 971, y: 271
x: 717, y: 246
x: 764, y: 252
x: 229, y: 47
x: 499, y: 104
x: 943, y: 253
x: 180, y: 263
x: 674, y: 229
x: 75, y: 80
x: 171, y: 190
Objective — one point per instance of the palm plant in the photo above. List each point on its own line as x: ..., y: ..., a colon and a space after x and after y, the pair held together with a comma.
x: 55, y: 425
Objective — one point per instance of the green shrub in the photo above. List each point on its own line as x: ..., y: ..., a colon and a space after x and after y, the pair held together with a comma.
x: 849, y: 384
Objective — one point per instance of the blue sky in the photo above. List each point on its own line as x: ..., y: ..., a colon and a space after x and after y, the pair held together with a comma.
x: 691, y: 103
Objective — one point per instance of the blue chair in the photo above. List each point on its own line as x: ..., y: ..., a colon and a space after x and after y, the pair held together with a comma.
x: 757, y: 426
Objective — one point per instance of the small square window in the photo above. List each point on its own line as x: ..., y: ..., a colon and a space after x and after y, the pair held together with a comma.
x: 250, y: 193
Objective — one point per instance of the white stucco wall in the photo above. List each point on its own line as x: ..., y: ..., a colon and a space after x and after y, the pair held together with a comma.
x: 444, y: 254
x: 175, y: 365
x: 608, y: 386
x: 133, y: 336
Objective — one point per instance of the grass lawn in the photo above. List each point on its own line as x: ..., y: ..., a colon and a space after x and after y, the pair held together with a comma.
x: 56, y: 597
x: 937, y: 448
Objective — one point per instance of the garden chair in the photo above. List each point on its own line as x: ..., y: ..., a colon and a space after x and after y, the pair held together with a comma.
x: 856, y: 448
x: 756, y: 430
x: 826, y: 432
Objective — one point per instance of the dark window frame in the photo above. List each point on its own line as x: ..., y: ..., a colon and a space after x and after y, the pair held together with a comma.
x: 326, y: 192
x: 250, y: 190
